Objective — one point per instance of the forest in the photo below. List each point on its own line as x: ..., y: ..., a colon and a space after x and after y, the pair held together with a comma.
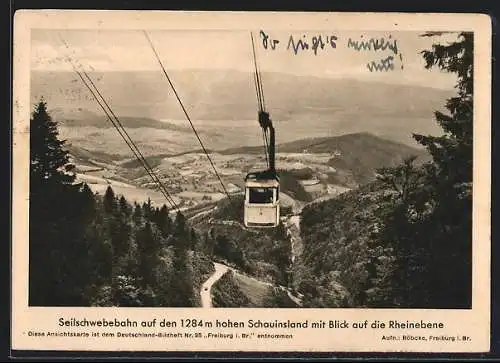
x: 88, y: 249
x: 405, y: 239
x: 93, y: 250
x: 262, y: 253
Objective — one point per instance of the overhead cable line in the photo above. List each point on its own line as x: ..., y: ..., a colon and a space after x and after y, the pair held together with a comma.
x: 260, y: 99
x: 121, y: 130
x: 257, y: 88
x: 140, y: 157
x: 259, y: 102
x: 186, y: 114
x: 258, y: 79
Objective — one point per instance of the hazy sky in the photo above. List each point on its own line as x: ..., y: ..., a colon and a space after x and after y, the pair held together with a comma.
x: 129, y: 50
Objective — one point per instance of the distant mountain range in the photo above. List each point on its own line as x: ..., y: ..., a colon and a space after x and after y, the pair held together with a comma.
x: 230, y: 95
x: 79, y: 117
x: 300, y: 106
x: 222, y: 104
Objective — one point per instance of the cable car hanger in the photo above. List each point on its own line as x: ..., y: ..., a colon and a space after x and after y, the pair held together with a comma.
x: 261, y: 207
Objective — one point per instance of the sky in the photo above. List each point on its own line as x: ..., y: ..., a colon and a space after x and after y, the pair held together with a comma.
x: 129, y: 50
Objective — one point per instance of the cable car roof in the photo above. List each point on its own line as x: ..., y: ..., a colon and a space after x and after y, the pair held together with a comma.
x: 262, y: 176
x: 262, y: 183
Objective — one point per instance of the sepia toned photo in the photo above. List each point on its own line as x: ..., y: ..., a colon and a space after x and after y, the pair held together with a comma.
x: 254, y: 166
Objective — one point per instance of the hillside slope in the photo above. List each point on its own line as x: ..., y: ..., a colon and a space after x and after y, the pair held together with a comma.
x: 347, y: 143
x: 355, y: 157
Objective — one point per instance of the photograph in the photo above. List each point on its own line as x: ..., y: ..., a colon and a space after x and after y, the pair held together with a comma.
x: 251, y: 168
x: 195, y: 181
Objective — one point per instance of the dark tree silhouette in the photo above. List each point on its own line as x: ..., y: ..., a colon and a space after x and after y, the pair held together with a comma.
x: 449, y: 179
x: 47, y: 156
x: 404, y: 240
x: 182, y: 281
x: 163, y: 221
x: 429, y: 222
x: 110, y: 204
x: 148, y: 254
x: 54, y: 215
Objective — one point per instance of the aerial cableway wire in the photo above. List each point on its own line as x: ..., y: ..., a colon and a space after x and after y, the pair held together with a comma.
x: 258, y: 79
x: 186, y: 114
x: 121, y: 130
x: 141, y: 157
x: 260, y: 98
x: 133, y: 148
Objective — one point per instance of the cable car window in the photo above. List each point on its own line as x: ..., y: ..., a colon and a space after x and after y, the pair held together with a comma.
x: 260, y: 195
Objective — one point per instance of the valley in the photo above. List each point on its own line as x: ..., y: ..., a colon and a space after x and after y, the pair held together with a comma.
x: 311, y: 171
x: 189, y: 177
x: 328, y: 143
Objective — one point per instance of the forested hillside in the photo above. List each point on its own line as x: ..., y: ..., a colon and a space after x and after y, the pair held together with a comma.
x: 354, y: 156
x: 404, y: 240
x: 262, y: 253
x: 88, y: 249
x: 92, y: 250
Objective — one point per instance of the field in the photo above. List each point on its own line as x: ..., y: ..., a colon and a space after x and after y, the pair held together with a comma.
x: 309, y: 169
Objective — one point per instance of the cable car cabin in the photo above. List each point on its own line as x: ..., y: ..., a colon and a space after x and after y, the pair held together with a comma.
x: 262, y: 188
x: 261, y: 200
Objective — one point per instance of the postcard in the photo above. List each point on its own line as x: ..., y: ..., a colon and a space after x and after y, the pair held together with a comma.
x: 251, y: 181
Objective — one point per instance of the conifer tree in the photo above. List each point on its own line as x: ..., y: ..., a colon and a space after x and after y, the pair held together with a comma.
x: 193, y: 239
x: 180, y: 227
x: 121, y: 237
x: 164, y: 222
x: 88, y: 202
x: 148, y: 254
x: 182, y: 280
x: 208, y: 244
x: 452, y: 152
x: 448, y: 223
x: 428, y: 222
x: 47, y: 155
x: 125, y: 208
x: 55, y: 208
x: 400, y: 214
x: 109, y: 201
x: 137, y: 216
x: 147, y: 210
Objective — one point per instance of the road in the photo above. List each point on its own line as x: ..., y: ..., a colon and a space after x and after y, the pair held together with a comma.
x: 206, y: 297
x: 220, y: 270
